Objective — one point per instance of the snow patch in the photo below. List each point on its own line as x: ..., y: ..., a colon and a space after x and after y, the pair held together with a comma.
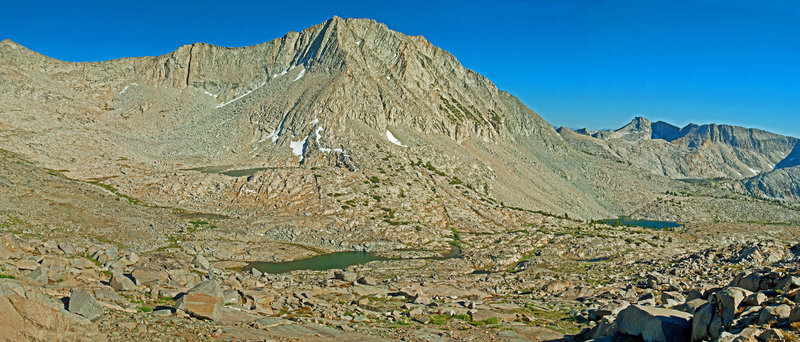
x: 388, y: 77
x: 317, y: 135
x: 298, y: 147
x: 210, y: 94
x: 301, y: 74
x: 754, y: 171
x: 126, y: 88
x: 314, y: 122
x: 241, y: 96
x: 281, y: 73
x: 273, y: 136
x: 393, y: 140
x: 358, y: 42
x: 328, y: 150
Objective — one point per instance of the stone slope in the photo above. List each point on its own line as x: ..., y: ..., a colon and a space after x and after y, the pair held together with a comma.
x: 320, y: 98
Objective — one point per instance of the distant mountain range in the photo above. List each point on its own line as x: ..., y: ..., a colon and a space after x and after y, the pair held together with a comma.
x: 765, y: 163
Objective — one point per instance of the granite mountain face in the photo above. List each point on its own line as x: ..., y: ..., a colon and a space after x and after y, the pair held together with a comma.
x: 331, y: 96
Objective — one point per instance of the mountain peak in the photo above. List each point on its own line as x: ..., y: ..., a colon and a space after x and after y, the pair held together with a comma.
x: 664, y: 130
x: 637, y: 129
x: 12, y: 44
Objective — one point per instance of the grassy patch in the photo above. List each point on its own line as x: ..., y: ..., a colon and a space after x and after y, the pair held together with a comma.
x: 116, y: 192
x: 439, y: 319
x: 556, y: 319
x: 93, y: 260
x: 455, y: 238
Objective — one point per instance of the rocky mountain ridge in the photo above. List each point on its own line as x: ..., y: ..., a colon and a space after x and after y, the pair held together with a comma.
x: 320, y: 98
x: 760, y: 163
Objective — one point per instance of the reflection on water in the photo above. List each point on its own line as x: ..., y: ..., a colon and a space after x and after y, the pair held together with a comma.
x: 338, y: 260
x: 226, y: 170
x: 244, y: 172
x: 627, y: 221
x: 210, y: 169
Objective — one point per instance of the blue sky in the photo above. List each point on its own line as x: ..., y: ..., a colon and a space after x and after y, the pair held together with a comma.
x: 577, y: 63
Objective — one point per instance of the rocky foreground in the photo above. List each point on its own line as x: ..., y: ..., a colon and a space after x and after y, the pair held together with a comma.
x: 744, y: 289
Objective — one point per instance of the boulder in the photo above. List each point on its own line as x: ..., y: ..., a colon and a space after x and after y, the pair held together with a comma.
x: 146, y: 276
x: 610, y: 309
x: 605, y: 327
x: 788, y: 283
x: 367, y: 280
x: 794, y: 316
x: 691, y: 306
x: 655, y: 279
x: 82, y: 302
x: 345, y: 276
x: 750, y: 282
x: 671, y: 299
x: 774, y: 314
x: 231, y: 296
x: 24, y: 319
x: 202, y: 301
x: 694, y: 294
x: 754, y: 299
x: 109, y: 296
x: 66, y: 247
x: 647, y: 298
x: 771, y: 335
x: 39, y: 275
x: 728, y: 299
x: 421, y: 299
x: 120, y: 282
x: 482, y: 315
x: 654, y: 324
x: 129, y: 259
x: 201, y: 262
x: 707, y: 323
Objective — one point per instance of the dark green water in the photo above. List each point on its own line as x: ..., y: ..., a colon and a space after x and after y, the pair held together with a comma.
x: 210, y: 169
x: 627, y: 221
x: 244, y: 172
x: 226, y: 170
x: 338, y: 260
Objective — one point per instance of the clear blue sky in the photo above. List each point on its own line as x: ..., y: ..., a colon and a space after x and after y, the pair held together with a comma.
x: 577, y: 63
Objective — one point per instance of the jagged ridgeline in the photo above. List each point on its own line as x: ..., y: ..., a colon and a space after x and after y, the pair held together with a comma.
x: 333, y: 95
x: 753, y: 161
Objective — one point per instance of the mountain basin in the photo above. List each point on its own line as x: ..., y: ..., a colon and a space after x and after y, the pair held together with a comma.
x: 341, y: 260
x: 627, y: 221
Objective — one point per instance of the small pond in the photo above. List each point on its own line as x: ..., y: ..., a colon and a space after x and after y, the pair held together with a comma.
x: 339, y: 260
x: 244, y: 172
x: 627, y: 221
x: 210, y: 169
x: 228, y: 171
